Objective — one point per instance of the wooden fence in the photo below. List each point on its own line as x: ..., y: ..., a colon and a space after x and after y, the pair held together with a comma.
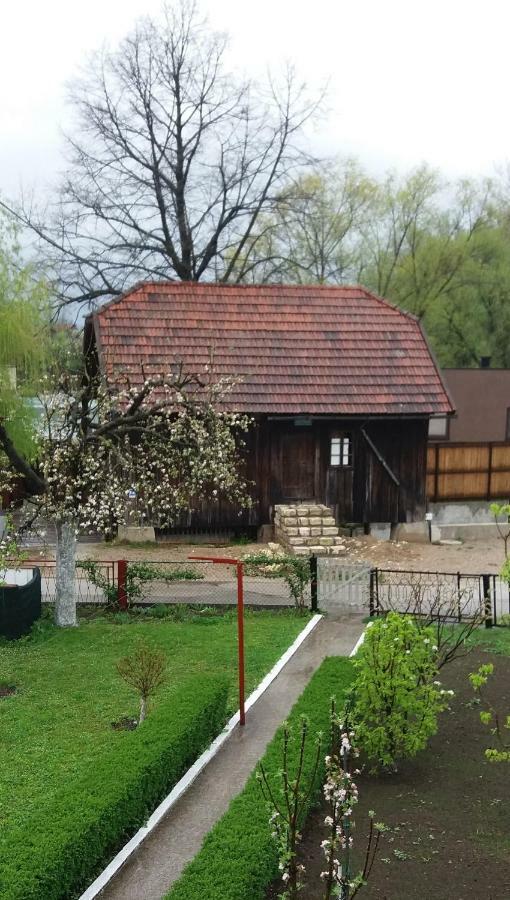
x: 468, y: 471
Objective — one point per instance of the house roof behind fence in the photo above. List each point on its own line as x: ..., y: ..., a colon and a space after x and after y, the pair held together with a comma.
x: 318, y: 350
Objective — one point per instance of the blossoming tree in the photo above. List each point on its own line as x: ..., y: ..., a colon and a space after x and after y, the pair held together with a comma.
x: 170, y: 440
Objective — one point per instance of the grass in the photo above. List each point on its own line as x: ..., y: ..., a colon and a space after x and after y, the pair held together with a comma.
x: 58, y: 723
x: 495, y: 640
x: 239, y: 857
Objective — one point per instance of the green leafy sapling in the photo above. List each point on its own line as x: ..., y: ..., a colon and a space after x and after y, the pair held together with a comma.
x: 143, y: 670
x: 490, y: 717
x: 501, y: 513
x: 275, y: 563
x: 397, y: 694
x: 138, y: 576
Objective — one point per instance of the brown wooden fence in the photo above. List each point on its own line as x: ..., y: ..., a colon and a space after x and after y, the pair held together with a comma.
x: 468, y: 471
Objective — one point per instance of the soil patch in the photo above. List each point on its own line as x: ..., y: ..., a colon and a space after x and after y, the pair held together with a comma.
x: 447, y: 810
x: 7, y: 690
x: 127, y: 723
x: 473, y: 556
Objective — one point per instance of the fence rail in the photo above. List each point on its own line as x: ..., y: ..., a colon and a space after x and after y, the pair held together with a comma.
x: 162, y: 582
x: 335, y: 586
x: 453, y: 596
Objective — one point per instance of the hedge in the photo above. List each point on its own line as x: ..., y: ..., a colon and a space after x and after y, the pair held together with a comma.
x: 62, y: 846
x: 238, y: 859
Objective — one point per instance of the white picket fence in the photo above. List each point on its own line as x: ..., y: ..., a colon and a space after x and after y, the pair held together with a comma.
x: 342, y: 587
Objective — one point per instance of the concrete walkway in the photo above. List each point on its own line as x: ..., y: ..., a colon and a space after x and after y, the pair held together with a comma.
x: 161, y: 858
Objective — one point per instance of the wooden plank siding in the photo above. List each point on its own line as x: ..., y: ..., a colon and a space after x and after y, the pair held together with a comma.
x: 287, y: 459
x: 468, y: 471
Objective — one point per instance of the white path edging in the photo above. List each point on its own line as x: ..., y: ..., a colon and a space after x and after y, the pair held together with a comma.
x: 189, y: 777
x: 358, y: 643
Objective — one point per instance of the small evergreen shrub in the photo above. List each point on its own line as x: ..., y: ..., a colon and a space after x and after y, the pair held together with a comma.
x: 58, y: 851
x: 143, y: 670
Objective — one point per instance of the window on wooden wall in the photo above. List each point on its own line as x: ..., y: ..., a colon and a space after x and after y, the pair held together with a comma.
x: 341, y: 451
x: 438, y: 427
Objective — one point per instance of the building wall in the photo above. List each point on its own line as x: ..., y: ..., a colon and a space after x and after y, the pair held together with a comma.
x: 288, y: 459
x: 481, y: 398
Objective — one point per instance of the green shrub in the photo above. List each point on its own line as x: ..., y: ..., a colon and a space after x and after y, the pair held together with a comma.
x: 275, y: 563
x: 397, y: 695
x: 239, y: 857
x: 138, y: 575
x: 60, y: 848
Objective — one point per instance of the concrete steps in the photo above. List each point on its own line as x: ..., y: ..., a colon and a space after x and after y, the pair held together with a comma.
x: 306, y: 529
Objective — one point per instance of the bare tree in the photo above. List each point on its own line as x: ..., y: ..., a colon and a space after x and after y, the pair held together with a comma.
x: 172, y: 163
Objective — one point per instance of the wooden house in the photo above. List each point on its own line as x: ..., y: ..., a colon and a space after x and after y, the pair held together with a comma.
x: 340, y: 385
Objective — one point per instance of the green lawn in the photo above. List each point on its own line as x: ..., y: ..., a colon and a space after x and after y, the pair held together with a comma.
x: 58, y: 724
x: 496, y: 640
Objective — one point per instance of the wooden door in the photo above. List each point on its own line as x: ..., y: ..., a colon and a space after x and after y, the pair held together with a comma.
x: 297, y: 465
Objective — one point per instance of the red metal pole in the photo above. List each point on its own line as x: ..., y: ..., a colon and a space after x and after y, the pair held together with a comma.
x: 240, y: 640
x: 240, y: 621
x: 122, y: 584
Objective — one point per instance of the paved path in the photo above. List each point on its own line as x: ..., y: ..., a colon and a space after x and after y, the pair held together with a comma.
x: 163, y: 855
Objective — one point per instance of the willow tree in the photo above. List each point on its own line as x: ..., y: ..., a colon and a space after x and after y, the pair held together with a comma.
x: 24, y: 333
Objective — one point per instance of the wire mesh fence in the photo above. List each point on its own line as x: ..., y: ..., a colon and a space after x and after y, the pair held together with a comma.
x: 202, y: 582
x: 86, y: 590
x: 156, y: 582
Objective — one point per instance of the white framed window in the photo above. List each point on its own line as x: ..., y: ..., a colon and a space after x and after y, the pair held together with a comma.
x: 341, y: 451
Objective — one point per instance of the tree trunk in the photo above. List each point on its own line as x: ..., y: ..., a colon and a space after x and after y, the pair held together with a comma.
x: 65, y: 602
x: 143, y: 709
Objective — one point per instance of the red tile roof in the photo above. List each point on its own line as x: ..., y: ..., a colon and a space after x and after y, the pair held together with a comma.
x: 298, y: 349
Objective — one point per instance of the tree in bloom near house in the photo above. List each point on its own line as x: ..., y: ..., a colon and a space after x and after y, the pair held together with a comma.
x: 170, y: 440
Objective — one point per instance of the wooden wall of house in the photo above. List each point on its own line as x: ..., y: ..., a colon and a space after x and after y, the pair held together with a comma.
x: 363, y: 492
x: 288, y: 460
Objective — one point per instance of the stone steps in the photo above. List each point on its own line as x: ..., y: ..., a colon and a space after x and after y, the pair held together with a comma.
x: 304, y: 529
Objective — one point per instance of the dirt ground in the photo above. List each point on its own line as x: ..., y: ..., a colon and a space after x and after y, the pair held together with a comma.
x: 447, y: 811
x: 483, y: 556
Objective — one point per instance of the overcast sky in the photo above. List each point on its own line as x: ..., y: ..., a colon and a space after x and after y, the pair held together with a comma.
x: 409, y: 81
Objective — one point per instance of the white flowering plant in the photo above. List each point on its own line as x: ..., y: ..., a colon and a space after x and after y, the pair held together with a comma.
x: 11, y: 552
x: 288, y: 795
x: 341, y: 796
x: 397, y: 694
x: 288, y: 798
x: 171, y: 439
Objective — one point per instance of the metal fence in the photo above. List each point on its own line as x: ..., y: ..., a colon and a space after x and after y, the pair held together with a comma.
x: 153, y: 582
x: 86, y: 590
x: 335, y: 586
x: 450, y: 596
x: 453, y: 596
x: 202, y: 583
